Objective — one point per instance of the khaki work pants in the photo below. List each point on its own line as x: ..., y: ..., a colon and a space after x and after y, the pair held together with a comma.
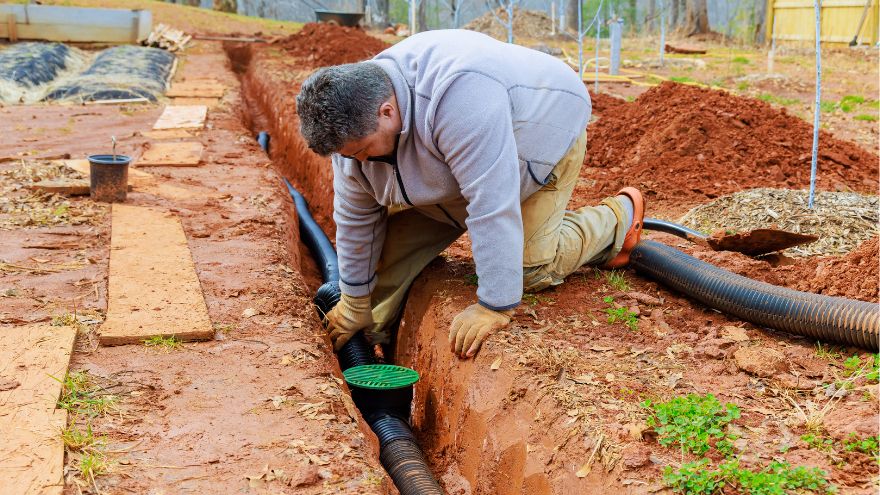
x: 557, y: 242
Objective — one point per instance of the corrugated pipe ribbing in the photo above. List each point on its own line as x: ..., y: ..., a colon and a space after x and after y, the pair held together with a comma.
x: 819, y: 317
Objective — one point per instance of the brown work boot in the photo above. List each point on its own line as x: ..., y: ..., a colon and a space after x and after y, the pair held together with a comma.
x: 635, y: 230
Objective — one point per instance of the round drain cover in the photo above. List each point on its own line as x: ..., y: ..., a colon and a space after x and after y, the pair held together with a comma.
x: 380, y: 376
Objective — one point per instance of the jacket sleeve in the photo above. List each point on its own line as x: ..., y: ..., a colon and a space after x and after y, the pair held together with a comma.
x: 360, y: 229
x: 474, y: 132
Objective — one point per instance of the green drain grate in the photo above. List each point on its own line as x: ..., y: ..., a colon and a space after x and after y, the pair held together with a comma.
x: 380, y: 376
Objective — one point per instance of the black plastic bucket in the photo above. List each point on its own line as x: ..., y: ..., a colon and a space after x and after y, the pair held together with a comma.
x: 109, y: 177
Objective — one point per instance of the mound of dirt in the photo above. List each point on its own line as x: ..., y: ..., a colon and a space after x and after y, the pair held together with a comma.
x: 682, y: 144
x: 853, y: 276
x: 321, y: 44
x: 603, y: 103
x: 526, y: 24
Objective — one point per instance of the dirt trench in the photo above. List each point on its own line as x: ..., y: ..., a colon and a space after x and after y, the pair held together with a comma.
x: 553, y: 403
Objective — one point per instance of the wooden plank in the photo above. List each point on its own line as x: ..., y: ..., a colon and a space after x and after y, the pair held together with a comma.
x: 182, y: 117
x: 199, y: 88
x: 172, y: 154
x: 208, y: 102
x: 11, y: 30
x: 32, y: 452
x: 168, y: 134
x: 153, y: 288
x: 72, y: 187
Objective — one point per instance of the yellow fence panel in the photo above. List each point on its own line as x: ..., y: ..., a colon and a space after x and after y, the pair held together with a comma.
x: 794, y: 20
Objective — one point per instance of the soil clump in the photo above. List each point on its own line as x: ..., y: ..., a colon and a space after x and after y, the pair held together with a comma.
x: 853, y: 276
x: 322, y: 44
x: 526, y: 23
x: 682, y: 144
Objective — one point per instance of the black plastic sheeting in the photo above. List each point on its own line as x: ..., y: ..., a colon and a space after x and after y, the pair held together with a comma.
x: 33, y: 64
x: 118, y: 73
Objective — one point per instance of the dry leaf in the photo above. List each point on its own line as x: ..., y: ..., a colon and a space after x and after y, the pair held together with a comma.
x: 286, y: 360
x: 496, y: 364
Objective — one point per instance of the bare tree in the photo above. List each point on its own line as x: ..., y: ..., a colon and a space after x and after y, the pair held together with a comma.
x: 455, y: 8
x: 651, y: 15
x: 759, y: 19
x: 379, y: 12
x: 507, y: 5
x: 571, y: 15
x: 675, y: 10
x: 696, y: 18
x: 422, y: 24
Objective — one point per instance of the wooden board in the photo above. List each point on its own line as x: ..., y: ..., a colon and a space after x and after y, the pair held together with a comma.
x: 55, y: 23
x: 174, y: 154
x: 72, y: 187
x: 141, y: 181
x: 182, y: 117
x: 198, y: 88
x: 168, y: 134
x: 153, y: 288
x: 32, y: 452
x: 208, y: 102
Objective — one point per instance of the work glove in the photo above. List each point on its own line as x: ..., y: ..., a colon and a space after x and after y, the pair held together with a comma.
x: 348, y: 317
x: 471, y: 327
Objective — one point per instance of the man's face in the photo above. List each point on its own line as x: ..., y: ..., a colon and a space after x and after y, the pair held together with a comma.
x: 381, y: 142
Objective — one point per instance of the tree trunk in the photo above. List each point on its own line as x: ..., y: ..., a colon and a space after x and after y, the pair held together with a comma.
x: 759, y: 19
x: 675, y: 11
x: 422, y: 21
x: 696, y: 19
x: 571, y: 15
x: 379, y: 13
x: 631, y: 12
x: 650, y: 15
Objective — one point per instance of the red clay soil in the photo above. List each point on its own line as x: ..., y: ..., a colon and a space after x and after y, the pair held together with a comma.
x: 682, y: 144
x: 320, y: 44
x: 853, y: 276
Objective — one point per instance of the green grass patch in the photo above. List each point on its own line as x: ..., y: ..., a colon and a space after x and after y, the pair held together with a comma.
x: 740, y: 60
x: 826, y: 352
x: 681, y: 79
x: 616, y: 279
x: 828, y: 106
x: 534, y: 299
x: 164, y: 344
x: 868, y: 445
x: 778, y: 478
x: 92, y: 465
x: 693, y: 423
x: 866, y: 117
x: 742, y: 86
x: 80, y: 396
x: 818, y: 442
x: 76, y: 439
x: 621, y: 314
x: 779, y: 100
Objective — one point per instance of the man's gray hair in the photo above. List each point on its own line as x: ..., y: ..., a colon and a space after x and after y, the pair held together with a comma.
x: 341, y: 103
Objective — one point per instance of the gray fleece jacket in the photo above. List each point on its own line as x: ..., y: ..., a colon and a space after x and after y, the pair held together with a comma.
x: 484, y: 123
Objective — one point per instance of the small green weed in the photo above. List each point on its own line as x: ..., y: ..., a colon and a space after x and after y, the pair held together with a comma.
x: 778, y: 478
x: 848, y: 102
x: 818, y: 442
x: 742, y: 86
x: 868, y: 445
x: 534, y: 299
x: 80, y: 440
x: 472, y: 279
x: 616, y: 279
x: 92, y: 464
x: 826, y: 352
x: 681, y: 79
x: 828, y: 106
x: 621, y: 314
x: 164, y: 344
x: 81, y: 397
x: 853, y: 366
x: 740, y: 60
x: 693, y: 422
x: 866, y: 117
x: 779, y: 100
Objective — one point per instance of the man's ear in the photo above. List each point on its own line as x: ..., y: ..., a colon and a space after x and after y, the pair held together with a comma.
x: 387, y: 109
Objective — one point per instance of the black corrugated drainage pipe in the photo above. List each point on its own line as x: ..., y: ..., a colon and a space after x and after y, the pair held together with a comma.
x: 386, y: 411
x: 825, y: 318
